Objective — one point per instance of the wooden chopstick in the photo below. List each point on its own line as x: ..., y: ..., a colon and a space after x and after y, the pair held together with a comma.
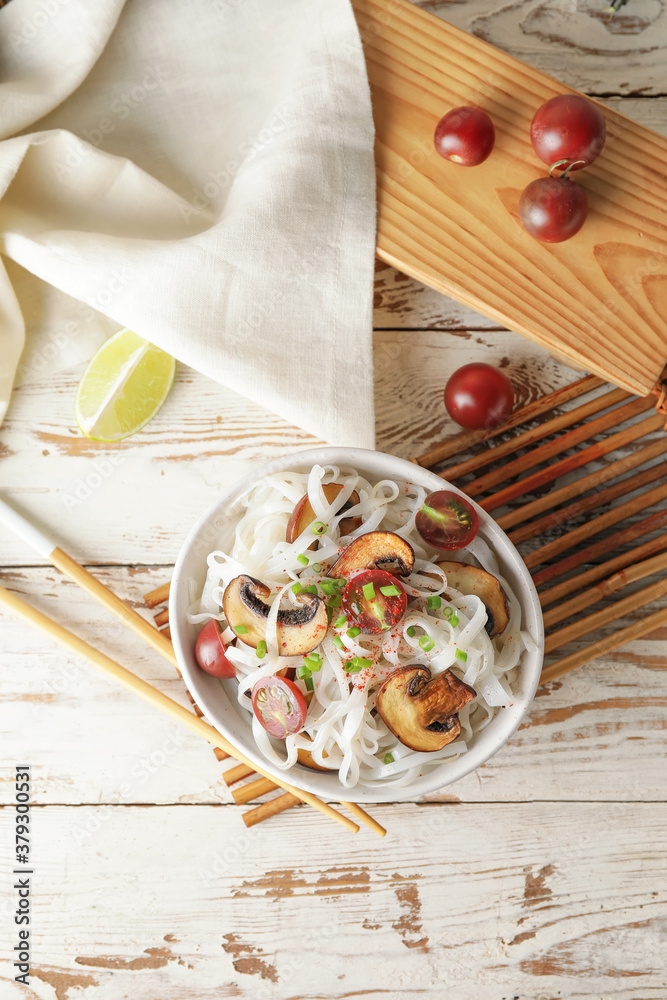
x: 585, y: 483
x: 570, y: 463
x: 611, y: 642
x: 586, y: 504
x: 590, y: 552
x: 594, y: 527
x: 525, y: 439
x: 534, y: 458
x: 616, y: 610
x: 156, y: 698
x: 607, y: 588
x: 619, y: 562
x: 461, y: 442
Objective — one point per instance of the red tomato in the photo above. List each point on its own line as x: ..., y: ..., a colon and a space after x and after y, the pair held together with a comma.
x: 465, y: 135
x: 479, y: 395
x: 553, y: 209
x: 210, y: 652
x: 279, y: 705
x: 447, y: 520
x: 370, y: 610
x: 568, y: 127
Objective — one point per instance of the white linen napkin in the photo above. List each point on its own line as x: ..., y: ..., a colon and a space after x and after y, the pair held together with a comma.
x: 202, y: 173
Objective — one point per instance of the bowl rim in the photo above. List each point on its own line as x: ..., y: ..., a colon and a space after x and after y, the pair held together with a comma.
x: 320, y: 783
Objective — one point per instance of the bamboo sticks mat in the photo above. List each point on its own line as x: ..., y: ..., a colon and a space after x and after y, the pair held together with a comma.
x: 578, y: 480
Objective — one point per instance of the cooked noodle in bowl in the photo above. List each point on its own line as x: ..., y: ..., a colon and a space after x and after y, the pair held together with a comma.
x: 305, y: 562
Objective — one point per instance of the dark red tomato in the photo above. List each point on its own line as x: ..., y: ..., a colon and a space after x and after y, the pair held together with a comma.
x: 568, y: 127
x: 553, y: 209
x: 373, y: 601
x: 479, y: 395
x: 465, y: 135
x: 210, y: 652
x: 447, y: 520
x: 279, y: 705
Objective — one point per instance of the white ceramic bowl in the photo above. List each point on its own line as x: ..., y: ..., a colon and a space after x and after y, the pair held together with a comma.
x: 216, y: 698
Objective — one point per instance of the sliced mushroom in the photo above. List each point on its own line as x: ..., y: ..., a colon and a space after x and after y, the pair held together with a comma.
x: 422, y: 711
x: 375, y: 550
x: 303, y: 514
x: 300, y: 629
x: 472, y: 580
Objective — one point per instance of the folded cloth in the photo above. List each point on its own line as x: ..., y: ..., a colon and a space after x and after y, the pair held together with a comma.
x: 203, y: 174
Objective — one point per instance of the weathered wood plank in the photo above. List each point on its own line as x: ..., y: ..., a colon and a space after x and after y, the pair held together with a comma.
x: 147, y: 491
x: 578, y: 43
x: 89, y: 741
x: 493, y: 901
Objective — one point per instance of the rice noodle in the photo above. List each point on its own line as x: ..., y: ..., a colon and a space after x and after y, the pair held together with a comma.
x: 342, y: 730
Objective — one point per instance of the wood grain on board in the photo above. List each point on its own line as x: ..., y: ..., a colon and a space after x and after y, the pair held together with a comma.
x: 599, y: 299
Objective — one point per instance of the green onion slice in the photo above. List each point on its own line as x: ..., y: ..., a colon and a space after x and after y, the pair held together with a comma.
x: 433, y: 602
x: 260, y: 652
x: 461, y: 655
x: 240, y: 629
x: 391, y: 591
x: 319, y: 528
x: 304, y: 560
x: 354, y: 632
x: 388, y: 758
x: 426, y: 643
x: 369, y: 591
x: 340, y: 622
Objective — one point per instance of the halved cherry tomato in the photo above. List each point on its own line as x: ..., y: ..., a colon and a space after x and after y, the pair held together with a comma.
x: 447, y: 520
x: 367, y: 607
x: 279, y: 706
x: 210, y: 652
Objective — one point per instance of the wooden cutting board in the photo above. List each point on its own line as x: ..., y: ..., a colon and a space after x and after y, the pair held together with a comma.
x: 599, y: 299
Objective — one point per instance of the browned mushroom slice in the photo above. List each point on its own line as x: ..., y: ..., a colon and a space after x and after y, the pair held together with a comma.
x: 300, y: 629
x: 303, y: 514
x: 472, y: 580
x: 422, y: 711
x: 375, y: 550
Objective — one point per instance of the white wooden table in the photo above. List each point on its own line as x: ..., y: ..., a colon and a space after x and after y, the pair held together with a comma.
x: 542, y: 875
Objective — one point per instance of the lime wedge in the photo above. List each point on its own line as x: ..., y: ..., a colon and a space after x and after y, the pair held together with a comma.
x: 123, y: 387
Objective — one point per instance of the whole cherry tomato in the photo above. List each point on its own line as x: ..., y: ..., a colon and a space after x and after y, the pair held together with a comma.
x: 465, y: 135
x: 479, y: 395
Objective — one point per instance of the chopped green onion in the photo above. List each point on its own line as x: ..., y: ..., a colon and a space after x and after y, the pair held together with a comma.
x: 302, y: 672
x: 388, y: 758
x: 309, y: 683
x: 336, y: 601
x: 340, y: 621
x: 329, y: 614
x: 391, y: 591
x: 426, y: 643
x: 319, y: 528
x: 460, y: 655
x: 260, y: 652
x: 328, y: 587
x: 311, y: 589
x: 341, y: 582
x: 369, y: 591
x: 433, y: 602
x: 453, y: 620
x: 313, y: 662
x: 447, y: 612
x: 240, y: 629
x: 356, y: 664
x: 317, y: 567
x: 337, y: 641
x: 410, y: 630
x: 304, y: 560
x: 297, y: 587
x: 354, y: 632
